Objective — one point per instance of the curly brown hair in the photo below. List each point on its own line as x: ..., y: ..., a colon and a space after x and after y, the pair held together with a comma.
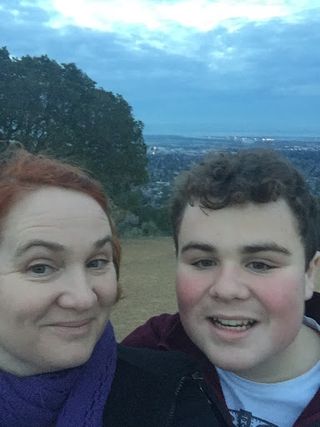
x: 248, y: 176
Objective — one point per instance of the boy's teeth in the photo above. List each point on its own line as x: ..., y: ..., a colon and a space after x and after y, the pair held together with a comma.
x: 233, y: 323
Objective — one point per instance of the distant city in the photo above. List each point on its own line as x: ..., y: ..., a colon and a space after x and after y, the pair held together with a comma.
x: 168, y: 155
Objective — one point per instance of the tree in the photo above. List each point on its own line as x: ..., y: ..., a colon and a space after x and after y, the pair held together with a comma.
x: 58, y: 109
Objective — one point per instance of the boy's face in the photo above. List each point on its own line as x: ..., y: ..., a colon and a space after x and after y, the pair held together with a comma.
x: 241, y: 286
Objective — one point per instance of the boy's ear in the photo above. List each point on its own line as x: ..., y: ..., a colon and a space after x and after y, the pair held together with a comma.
x: 312, y: 276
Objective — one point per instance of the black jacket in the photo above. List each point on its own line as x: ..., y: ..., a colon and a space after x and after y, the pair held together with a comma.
x: 160, y: 389
x: 165, y: 332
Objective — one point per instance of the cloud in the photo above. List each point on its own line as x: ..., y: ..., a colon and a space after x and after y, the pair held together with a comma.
x: 254, y: 71
x: 176, y: 27
x: 201, y: 15
x: 267, y: 57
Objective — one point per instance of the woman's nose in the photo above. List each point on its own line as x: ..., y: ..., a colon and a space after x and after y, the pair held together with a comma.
x: 78, y: 293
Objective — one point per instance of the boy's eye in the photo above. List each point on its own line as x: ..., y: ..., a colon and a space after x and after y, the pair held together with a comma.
x: 260, y: 266
x: 203, y: 263
x: 97, y: 264
x: 41, y: 269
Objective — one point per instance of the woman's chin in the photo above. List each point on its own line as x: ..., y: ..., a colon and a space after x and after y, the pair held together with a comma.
x: 70, y: 362
x: 59, y: 363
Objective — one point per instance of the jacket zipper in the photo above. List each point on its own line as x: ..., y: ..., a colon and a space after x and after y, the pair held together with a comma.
x: 199, y: 380
x: 198, y: 377
x: 174, y: 404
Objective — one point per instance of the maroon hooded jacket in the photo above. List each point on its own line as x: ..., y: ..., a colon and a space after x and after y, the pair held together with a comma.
x: 165, y: 332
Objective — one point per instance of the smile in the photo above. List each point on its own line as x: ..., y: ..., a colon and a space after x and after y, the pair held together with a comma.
x: 73, y: 324
x: 73, y: 330
x: 233, y: 324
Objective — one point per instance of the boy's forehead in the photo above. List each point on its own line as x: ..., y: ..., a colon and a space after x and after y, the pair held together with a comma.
x: 258, y: 221
x: 280, y: 206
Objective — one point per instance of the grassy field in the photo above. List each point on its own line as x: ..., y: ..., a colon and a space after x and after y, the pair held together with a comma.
x: 147, y: 280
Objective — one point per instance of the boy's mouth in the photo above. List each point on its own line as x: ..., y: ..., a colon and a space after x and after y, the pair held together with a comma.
x: 233, y: 324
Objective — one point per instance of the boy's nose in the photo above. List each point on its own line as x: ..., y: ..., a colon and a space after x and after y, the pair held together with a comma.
x: 228, y: 284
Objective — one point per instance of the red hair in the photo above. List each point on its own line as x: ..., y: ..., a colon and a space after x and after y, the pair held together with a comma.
x: 22, y: 172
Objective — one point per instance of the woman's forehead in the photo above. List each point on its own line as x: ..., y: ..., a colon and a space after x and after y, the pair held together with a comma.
x: 56, y: 214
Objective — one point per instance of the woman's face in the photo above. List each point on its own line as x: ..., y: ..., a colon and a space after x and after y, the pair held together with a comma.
x: 57, y: 281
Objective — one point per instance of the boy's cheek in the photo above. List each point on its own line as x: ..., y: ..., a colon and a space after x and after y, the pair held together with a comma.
x: 282, y: 296
x: 189, y: 289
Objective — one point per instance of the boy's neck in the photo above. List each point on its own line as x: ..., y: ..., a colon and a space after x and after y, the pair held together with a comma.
x: 302, y: 354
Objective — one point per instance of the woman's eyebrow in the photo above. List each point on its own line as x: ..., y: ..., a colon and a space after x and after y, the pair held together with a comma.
x: 102, y: 242
x: 55, y: 247
x: 52, y: 246
x: 265, y: 247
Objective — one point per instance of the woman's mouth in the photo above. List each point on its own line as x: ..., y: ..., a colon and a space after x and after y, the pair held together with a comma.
x: 74, y: 324
x: 75, y: 328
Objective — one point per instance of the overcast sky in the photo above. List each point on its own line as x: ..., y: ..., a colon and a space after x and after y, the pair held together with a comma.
x: 190, y: 67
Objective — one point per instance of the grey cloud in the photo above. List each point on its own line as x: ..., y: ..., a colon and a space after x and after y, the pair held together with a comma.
x: 270, y: 55
x: 265, y: 83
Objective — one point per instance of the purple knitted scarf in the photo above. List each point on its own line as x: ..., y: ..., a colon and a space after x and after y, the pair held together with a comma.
x: 70, y: 398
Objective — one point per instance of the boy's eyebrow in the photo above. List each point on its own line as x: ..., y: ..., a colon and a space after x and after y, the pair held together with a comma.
x: 248, y: 249
x: 205, y: 247
x: 265, y: 247
x: 55, y: 247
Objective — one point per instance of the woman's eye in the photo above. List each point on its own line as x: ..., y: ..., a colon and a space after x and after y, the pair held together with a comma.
x: 97, y: 264
x: 203, y: 263
x: 260, y: 266
x: 41, y: 269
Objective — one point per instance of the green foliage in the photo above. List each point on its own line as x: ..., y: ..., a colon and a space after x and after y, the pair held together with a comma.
x: 58, y: 109
x: 149, y: 228
x: 139, y: 218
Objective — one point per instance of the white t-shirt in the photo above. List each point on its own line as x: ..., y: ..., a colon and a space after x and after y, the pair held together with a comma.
x: 253, y: 404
